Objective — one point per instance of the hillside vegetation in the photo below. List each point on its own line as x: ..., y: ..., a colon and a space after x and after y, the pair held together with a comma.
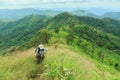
x: 91, y: 48
x: 17, y: 32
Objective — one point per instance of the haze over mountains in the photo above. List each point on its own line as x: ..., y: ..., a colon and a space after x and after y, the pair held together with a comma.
x: 20, y: 13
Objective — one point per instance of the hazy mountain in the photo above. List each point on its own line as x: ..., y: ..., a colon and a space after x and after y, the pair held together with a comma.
x: 20, y: 13
x: 16, y: 32
x: 83, y: 13
x: 113, y: 15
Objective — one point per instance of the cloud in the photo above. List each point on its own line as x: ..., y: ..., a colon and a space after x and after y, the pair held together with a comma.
x: 59, y: 3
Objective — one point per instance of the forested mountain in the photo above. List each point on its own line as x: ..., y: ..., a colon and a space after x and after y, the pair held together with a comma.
x: 17, y: 32
x: 106, y: 24
x: 103, y: 32
x: 93, y: 30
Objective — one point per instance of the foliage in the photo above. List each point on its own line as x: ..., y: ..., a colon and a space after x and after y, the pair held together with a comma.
x: 69, y: 38
x: 18, y: 32
x: 45, y: 36
x: 59, y: 69
x: 106, y: 24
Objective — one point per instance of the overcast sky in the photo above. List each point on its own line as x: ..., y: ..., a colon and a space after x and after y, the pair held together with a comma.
x: 11, y: 4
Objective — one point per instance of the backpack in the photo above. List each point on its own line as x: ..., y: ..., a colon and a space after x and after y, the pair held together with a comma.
x: 38, y: 50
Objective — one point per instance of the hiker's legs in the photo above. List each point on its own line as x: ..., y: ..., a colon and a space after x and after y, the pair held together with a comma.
x: 38, y: 59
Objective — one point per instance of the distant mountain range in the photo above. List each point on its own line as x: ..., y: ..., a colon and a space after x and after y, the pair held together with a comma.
x: 20, y: 13
x: 113, y: 15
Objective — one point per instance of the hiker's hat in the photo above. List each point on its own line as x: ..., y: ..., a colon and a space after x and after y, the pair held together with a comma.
x: 41, y: 46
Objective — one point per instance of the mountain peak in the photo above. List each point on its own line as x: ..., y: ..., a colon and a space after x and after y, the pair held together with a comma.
x: 65, y: 18
x: 64, y: 15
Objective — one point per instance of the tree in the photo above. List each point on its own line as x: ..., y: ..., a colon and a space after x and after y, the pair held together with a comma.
x: 79, y: 42
x: 69, y: 38
x: 45, y: 36
x: 56, y: 30
x: 101, y: 56
x: 116, y: 66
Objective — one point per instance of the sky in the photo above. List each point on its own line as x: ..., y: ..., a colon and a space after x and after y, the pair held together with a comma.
x: 15, y: 4
x: 95, y: 6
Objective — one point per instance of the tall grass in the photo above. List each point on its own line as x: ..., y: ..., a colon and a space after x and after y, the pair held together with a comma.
x: 24, y: 67
x: 59, y: 68
x: 60, y: 64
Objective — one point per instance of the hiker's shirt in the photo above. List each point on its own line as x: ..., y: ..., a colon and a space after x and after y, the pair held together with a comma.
x: 36, y: 51
x: 41, y: 52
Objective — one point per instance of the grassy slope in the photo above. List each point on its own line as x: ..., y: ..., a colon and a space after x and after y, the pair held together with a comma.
x: 59, y: 64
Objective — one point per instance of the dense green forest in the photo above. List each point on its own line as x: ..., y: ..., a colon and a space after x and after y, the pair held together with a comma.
x: 98, y: 38
x: 101, y: 32
x: 17, y: 32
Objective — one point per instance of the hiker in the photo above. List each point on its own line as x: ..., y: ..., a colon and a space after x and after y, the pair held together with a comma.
x: 39, y: 52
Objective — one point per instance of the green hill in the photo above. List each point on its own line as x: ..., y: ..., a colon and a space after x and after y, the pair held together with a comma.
x: 81, y: 41
x: 93, y: 30
x: 17, y: 32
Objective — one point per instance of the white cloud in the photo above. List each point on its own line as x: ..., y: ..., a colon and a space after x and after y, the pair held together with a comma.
x: 60, y: 3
